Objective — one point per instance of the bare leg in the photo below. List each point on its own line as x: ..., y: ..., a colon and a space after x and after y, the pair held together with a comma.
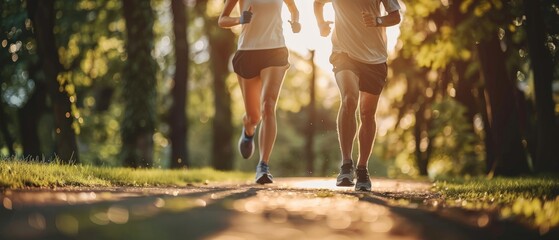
x: 348, y: 84
x: 368, y: 128
x: 272, y: 80
x: 251, y: 89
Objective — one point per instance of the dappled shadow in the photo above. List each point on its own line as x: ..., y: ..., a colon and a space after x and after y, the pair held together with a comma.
x: 437, y: 222
x: 170, y: 213
x: 302, y: 208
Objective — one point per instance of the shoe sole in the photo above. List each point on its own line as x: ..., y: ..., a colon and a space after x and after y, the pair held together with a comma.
x: 363, y: 189
x: 264, y: 180
x: 251, y: 152
x: 345, y: 183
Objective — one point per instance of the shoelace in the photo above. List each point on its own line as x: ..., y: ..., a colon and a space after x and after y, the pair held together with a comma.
x: 264, y: 168
x: 346, y: 168
x: 362, y: 175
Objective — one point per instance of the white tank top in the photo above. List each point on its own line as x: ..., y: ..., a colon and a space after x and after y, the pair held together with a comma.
x: 265, y: 29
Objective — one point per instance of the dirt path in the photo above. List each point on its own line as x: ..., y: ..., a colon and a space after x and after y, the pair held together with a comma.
x: 292, y: 208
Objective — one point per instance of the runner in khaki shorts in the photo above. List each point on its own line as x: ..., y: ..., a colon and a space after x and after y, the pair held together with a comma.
x: 359, y: 59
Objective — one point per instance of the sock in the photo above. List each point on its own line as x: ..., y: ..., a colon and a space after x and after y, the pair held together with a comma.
x: 362, y: 167
x: 246, y: 136
x: 261, y: 163
x: 347, y: 161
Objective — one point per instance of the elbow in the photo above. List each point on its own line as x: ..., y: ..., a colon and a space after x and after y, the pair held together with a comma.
x: 221, y: 22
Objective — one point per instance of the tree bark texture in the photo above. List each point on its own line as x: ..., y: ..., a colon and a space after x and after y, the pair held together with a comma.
x: 222, y: 47
x: 177, y: 120
x: 510, y: 156
x: 139, y: 85
x: 547, y: 148
x: 42, y: 13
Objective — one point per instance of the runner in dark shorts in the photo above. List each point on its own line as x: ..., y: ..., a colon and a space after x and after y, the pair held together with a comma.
x: 372, y: 77
x: 249, y: 63
x: 260, y: 64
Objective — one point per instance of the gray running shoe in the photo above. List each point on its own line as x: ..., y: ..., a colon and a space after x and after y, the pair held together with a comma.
x: 363, y: 181
x: 345, y: 178
x: 246, y: 145
x: 263, y: 175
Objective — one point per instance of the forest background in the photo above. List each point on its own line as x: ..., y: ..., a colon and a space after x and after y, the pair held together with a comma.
x: 473, y: 88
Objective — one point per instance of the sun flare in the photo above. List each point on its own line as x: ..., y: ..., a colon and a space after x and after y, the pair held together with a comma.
x: 310, y: 39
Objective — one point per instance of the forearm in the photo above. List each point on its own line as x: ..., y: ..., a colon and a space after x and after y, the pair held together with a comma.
x: 228, y: 22
x: 293, y: 10
x: 319, y: 12
x: 391, y: 19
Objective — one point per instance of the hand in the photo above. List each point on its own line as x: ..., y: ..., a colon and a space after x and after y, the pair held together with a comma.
x: 295, y: 26
x: 325, y: 28
x: 369, y: 19
x: 246, y: 16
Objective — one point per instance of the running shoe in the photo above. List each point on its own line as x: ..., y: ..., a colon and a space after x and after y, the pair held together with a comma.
x: 345, y: 178
x: 363, y: 180
x: 263, y: 175
x: 246, y: 145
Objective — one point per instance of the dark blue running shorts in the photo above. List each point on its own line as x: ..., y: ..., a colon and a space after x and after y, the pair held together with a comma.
x: 372, y: 77
x: 249, y: 63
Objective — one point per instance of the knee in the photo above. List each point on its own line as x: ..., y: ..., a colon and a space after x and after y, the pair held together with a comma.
x: 349, y: 103
x: 268, y: 108
x: 252, y: 119
x: 368, y: 116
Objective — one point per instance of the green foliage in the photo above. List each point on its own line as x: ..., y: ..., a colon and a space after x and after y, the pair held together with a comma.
x: 456, y: 145
x: 20, y: 174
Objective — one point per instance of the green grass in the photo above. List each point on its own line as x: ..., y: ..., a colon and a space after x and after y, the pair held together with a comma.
x: 531, y: 200
x: 501, y: 190
x: 21, y: 174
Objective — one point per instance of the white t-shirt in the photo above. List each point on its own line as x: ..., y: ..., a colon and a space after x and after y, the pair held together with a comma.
x: 351, y: 36
x: 265, y: 29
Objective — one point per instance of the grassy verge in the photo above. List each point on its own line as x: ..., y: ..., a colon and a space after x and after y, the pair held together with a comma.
x: 20, y: 174
x: 532, y: 200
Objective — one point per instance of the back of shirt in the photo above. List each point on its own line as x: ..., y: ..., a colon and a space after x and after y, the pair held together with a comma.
x: 265, y: 29
x: 351, y: 36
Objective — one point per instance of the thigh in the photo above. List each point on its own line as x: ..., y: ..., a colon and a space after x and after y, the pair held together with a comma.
x: 346, y: 73
x: 348, y: 83
x: 251, y: 89
x: 272, y: 80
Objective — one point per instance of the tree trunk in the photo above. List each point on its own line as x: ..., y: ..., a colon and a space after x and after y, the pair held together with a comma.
x: 309, y: 144
x: 464, y: 92
x: 510, y: 157
x: 422, y: 159
x: 490, y: 148
x: 139, y: 91
x: 177, y: 121
x: 5, y: 132
x: 222, y: 46
x: 547, y: 148
x: 42, y: 13
x: 29, y: 116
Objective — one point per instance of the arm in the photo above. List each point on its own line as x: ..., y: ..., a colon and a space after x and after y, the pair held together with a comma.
x: 293, y: 10
x: 225, y: 21
x: 323, y: 25
x: 391, y: 19
x: 295, y: 25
